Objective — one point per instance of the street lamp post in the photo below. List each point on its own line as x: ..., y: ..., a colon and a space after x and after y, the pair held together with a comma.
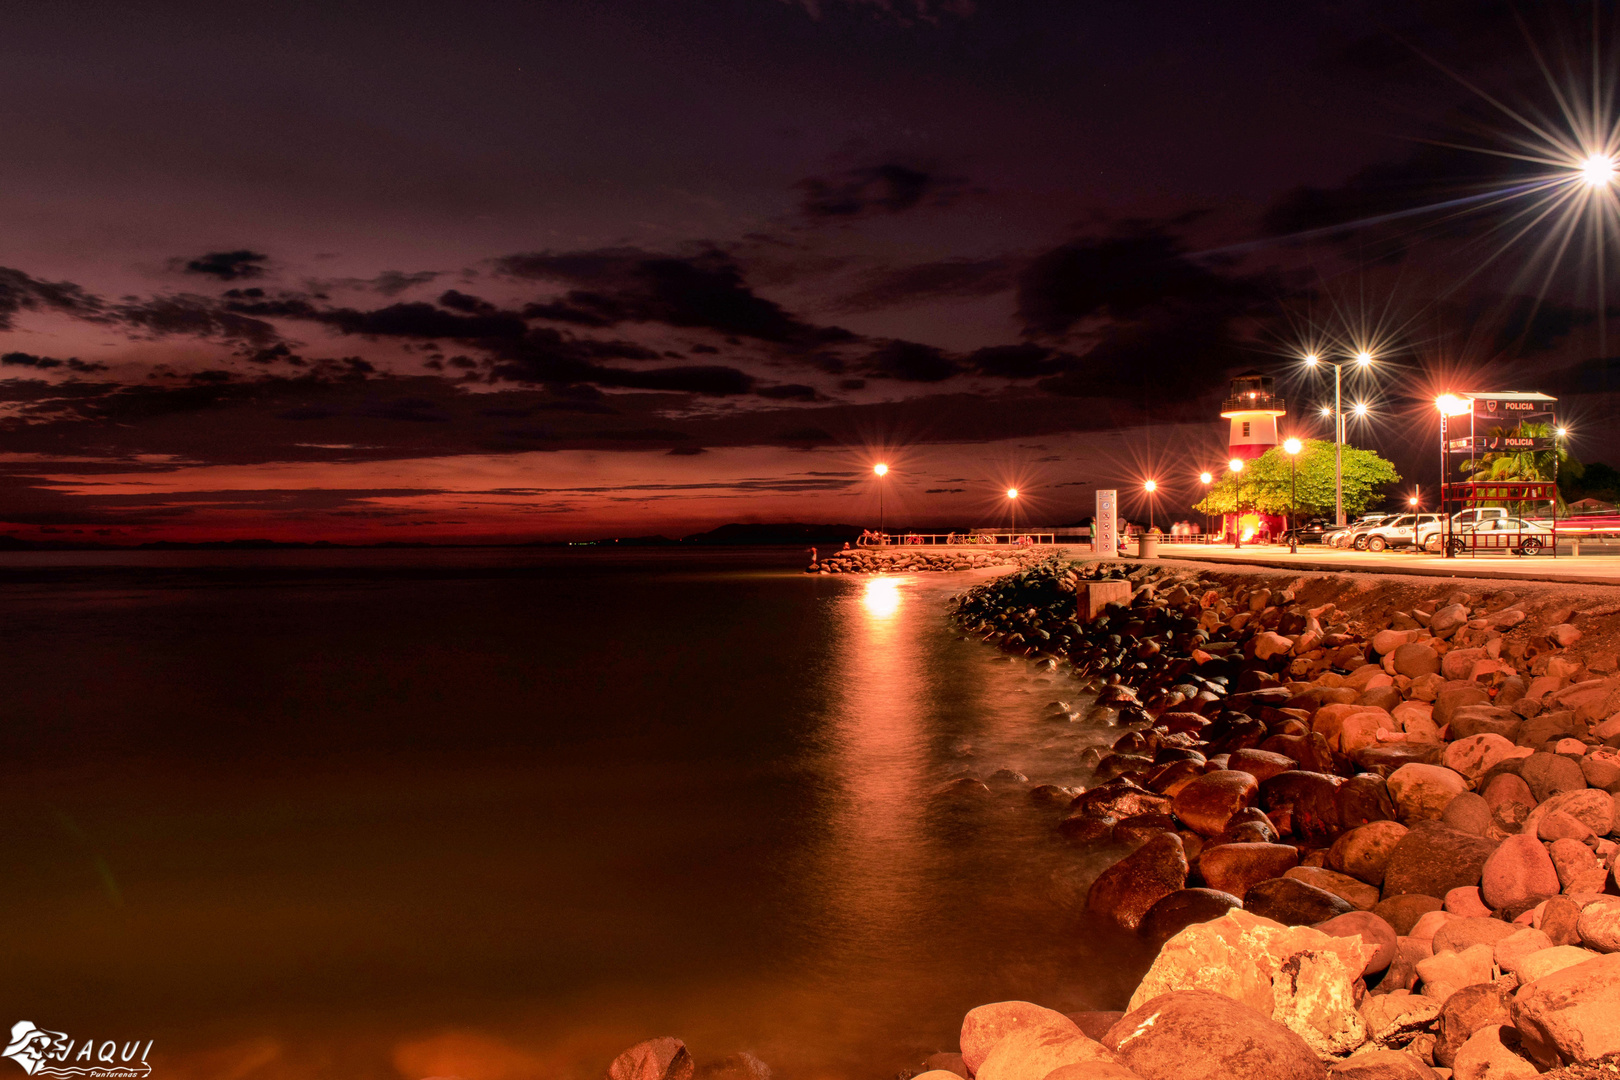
x: 1292, y: 447
x: 1206, y: 478
x: 1012, y: 506
x: 1236, y: 465
x: 1363, y: 360
x: 1449, y: 405
x: 881, y: 470
x: 1150, y: 487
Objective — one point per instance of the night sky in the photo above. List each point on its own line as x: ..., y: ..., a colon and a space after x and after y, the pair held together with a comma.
x: 537, y: 270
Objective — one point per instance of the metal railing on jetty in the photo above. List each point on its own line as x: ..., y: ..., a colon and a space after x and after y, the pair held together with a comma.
x: 977, y: 538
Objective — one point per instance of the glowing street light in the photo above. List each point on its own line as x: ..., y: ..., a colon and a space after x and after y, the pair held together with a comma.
x: 1359, y: 408
x: 1598, y: 170
x: 1292, y: 447
x: 1363, y: 360
x: 1012, y: 506
x: 881, y: 470
x: 1236, y: 465
x: 1150, y: 487
x: 1449, y: 405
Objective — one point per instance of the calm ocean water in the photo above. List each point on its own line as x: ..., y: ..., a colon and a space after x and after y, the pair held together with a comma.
x: 498, y: 814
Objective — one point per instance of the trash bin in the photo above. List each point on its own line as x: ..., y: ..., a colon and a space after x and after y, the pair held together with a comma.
x: 1147, y: 546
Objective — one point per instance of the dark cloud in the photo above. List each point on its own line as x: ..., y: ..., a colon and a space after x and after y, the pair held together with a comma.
x: 22, y: 359
x: 925, y: 282
x: 878, y: 189
x: 197, y: 316
x: 789, y: 392
x: 1019, y: 361
x: 704, y: 291
x: 910, y: 361
x: 19, y: 292
x: 228, y: 265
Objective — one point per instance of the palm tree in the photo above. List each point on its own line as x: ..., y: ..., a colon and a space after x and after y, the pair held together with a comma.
x: 1541, y: 465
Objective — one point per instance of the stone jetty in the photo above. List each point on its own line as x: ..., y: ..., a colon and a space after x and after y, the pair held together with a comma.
x: 910, y: 560
x: 1369, y: 825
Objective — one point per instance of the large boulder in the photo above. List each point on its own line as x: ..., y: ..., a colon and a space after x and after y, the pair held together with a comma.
x: 1492, y: 1053
x: 1206, y: 804
x: 1589, y: 806
x: 1464, y: 1013
x: 1181, y: 909
x: 1517, y: 871
x: 1415, y: 660
x: 1293, y: 902
x: 1371, y: 930
x: 1432, y: 859
x: 1125, y: 891
x: 1364, y: 851
x: 1236, y: 868
x: 1358, y: 894
x: 1474, y: 756
x: 1422, y: 792
x: 1599, y: 926
x: 1551, y: 774
x: 656, y: 1059
x: 1571, y: 1015
x: 985, y: 1026
x: 1200, y: 1035
x: 1033, y: 1053
x: 1304, y: 804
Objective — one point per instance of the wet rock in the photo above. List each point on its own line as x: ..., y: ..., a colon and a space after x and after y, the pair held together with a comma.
x: 656, y: 1059
x: 1125, y: 891
x: 1181, y: 909
x: 1551, y: 774
x: 1464, y: 1013
x: 1260, y: 764
x: 1518, y: 870
x: 1433, y: 859
x: 1403, y: 911
x: 1491, y: 1053
x: 1422, y: 792
x: 1207, y: 803
x: 1443, y: 974
x: 1199, y: 1035
x: 1573, y: 1014
x: 1304, y: 804
x: 1353, y: 891
x: 1051, y: 795
x: 987, y: 1025
x: 1142, y: 828
x: 1599, y: 926
x: 1293, y: 903
x: 1364, y: 851
x: 1084, y: 828
x: 1371, y: 930
x: 1236, y: 868
x: 1364, y: 798
x: 1120, y: 799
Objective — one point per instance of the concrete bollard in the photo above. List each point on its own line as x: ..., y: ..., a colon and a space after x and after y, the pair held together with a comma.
x: 1093, y: 596
x: 1147, y: 546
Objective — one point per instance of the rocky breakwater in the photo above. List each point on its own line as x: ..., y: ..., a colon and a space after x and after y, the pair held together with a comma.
x: 1369, y: 843
x: 910, y: 560
x: 1370, y: 827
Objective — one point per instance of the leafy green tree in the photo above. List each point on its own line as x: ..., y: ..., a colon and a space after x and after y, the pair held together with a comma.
x: 1265, y: 483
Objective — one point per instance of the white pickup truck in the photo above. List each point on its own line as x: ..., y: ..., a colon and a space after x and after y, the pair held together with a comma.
x: 1427, y: 536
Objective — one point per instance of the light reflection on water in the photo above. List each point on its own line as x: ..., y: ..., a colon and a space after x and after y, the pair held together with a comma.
x: 499, y: 825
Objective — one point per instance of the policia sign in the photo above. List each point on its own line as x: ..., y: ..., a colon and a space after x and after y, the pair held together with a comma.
x: 1498, y: 421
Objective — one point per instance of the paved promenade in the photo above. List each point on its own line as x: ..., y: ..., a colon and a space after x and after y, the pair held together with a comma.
x: 1587, y: 569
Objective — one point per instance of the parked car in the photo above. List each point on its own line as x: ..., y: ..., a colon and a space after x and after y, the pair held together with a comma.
x: 1341, y: 537
x: 1357, y: 537
x: 1398, y: 532
x: 1428, y: 535
x: 1310, y: 532
x: 1518, y: 535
